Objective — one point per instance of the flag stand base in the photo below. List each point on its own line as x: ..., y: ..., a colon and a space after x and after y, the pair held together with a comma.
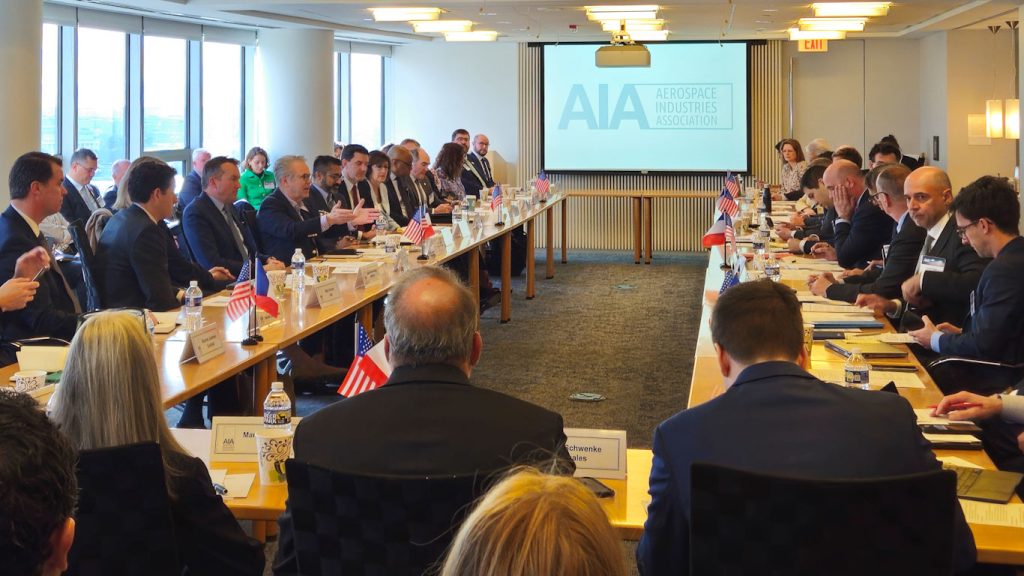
x: 423, y: 257
x: 499, y: 224
x: 251, y: 341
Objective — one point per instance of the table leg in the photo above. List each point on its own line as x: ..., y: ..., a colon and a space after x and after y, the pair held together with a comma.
x: 565, y: 234
x: 549, y: 244
x: 506, y: 277
x: 264, y: 372
x: 635, y: 201
x: 366, y: 317
x: 259, y: 530
x: 531, y: 272
x: 474, y: 275
x: 649, y: 227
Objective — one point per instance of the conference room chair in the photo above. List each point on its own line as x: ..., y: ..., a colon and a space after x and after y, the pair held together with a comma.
x: 123, y: 522
x: 746, y: 523
x: 248, y: 216
x: 355, y: 524
x: 179, y: 238
x: 954, y: 373
x: 87, y: 261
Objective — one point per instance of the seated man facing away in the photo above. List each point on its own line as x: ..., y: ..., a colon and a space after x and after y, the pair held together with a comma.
x: 764, y: 420
x: 436, y: 421
x: 38, y: 489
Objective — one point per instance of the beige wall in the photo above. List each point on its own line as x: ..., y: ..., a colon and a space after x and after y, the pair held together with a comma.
x: 932, y: 87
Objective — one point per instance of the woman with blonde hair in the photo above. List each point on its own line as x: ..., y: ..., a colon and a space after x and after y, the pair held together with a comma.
x: 110, y: 396
x: 533, y: 523
x: 256, y: 181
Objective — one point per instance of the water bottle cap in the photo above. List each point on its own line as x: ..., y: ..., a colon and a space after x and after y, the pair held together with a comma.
x: 277, y: 386
x: 193, y: 284
x: 298, y: 251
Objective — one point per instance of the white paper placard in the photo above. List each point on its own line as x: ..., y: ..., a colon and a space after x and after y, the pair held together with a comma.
x: 234, y: 437
x: 597, y: 453
x: 326, y: 293
x: 49, y: 358
x: 203, y: 344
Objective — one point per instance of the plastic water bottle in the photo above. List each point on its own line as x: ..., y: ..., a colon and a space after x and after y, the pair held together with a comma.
x: 857, y: 370
x: 772, y: 269
x: 277, y: 408
x: 381, y: 225
x: 193, y: 307
x: 456, y: 212
x: 299, y: 270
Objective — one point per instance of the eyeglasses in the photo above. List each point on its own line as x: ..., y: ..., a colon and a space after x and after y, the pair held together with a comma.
x: 961, y: 231
x: 874, y: 197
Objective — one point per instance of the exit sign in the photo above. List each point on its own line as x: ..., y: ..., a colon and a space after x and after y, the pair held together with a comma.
x: 813, y: 45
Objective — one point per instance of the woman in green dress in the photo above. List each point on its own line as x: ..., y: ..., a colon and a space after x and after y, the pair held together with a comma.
x: 256, y: 182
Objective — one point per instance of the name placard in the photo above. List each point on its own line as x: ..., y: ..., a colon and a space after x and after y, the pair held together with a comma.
x: 234, y: 437
x: 322, y: 294
x: 597, y: 453
x: 369, y: 276
x: 202, y: 344
x: 446, y: 235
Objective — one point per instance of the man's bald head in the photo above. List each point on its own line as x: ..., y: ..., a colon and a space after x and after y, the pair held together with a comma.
x: 401, y: 160
x: 431, y: 318
x: 845, y: 175
x: 929, y: 193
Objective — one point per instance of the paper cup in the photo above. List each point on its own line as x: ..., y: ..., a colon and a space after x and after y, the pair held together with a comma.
x: 808, y: 339
x: 273, y: 447
x: 277, y: 283
x: 321, y: 271
x: 29, y: 380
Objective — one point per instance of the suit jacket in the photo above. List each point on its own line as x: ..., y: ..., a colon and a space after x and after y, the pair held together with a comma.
x: 140, y: 266
x: 397, y: 197
x: 994, y: 329
x: 210, y: 541
x: 282, y: 229
x: 900, y: 263
x: 465, y: 430
x: 474, y: 182
x: 363, y: 186
x: 861, y: 239
x: 825, y: 231
x: 51, y: 312
x: 950, y: 290
x: 209, y: 238
x: 857, y: 434
x: 191, y: 188
x: 109, y: 197
x: 74, y: 207
x: 327, y: 240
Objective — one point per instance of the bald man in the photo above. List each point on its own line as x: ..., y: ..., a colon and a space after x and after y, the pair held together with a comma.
x: 861, y: 226
x: 476, y: 169
x: 401, y: 196
x: 117, y: 170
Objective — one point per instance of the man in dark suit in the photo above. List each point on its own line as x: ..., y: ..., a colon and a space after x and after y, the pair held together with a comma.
x: 216, y: 234
x: 402, y: 199
x: 138, y: 265
x: 323, y: 195
x: 286, y: 224
x: 192, y: 185
x: 761, y: 423
x: 437, y: 422
x: 424, y: 187
x: 947, y: 271
x: 82, y: 197
x: 861, y: 227
x: 476, y: 170
x: 37, y: 191
x: 900, y: 256
x: 117, y: 170
x: 820, y: 228
x: 354, y: 188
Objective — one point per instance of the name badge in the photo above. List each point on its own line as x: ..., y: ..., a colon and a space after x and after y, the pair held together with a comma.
x: 597, y: 453
x: 323, y: 294
x: 972, y: 303
x: 233, y: 438
x: 885, y: 252
x: 269, y: 186
x: 932, y: 264
x: 202, y: 344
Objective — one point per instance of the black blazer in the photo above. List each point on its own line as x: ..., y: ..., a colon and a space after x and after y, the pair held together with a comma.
x: 209, y: 238
x: 994, y: 330
x: 73, y: 207
x: 109, y: 197
x: 470, y: 181
x: 949, y: 291
x: 363, y: 187
x: 900, y: 263
x: 762, y: 423
x: 825, y: 231
x: 140, y: 266
x: 191, y: 188
x: 282, y: 229
x: 859, y: 241
x: 315, y: 203
x: 466, y: 429
x: 397, y: 197
x: 51, y: 312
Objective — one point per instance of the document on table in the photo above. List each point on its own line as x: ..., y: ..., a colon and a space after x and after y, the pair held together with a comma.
x: 238, y: 485
x: 1011, y: 515
x: 837, y: 309
x: 814, y: 265
x: 925, y: 418
x: 877, y: 378
x: 885, y: 338
x: 807, y: 296
x: 216, y: 301
x: 951, y: 438
x: 955, y: 461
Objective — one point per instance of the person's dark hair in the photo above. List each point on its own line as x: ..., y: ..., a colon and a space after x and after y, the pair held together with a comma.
x: 83, y: 154
x: 28, y: 168
x: 410, y: 141
x: 351, y: 150
x: 886, y: 148
x: 377, y: 158
x: 759, y: 319
x: 459, y: 131
x: 38, y: 488
x: 339, y: 146
x: 890, y: 179
x: 811, y: 176
x: 147, y: 177
x: 826, y: 155
x: 796, y: 146
x: 214, y: 167
x: 254, y: 152
x: 849, y: 153
x: 990, y: 197
x: 871, y: 175
x: 889, y: 139
x: 322, y: 163
x: 450, y: 159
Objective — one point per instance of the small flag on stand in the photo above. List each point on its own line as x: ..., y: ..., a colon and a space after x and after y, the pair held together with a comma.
x: 542, y: 184
x: 241, y: 295
x: 715, y: 236
x: 417, y: 231
x: 727, y: 204
x: 496, y: 197
x: 369, y: 370
x: 732, y: 185
x: 731, y: 279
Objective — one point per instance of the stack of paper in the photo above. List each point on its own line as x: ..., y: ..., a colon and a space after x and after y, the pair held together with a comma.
x: 1011, y: 515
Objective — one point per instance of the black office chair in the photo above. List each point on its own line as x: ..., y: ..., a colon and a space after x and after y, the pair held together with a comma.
x: 248, y: 216
x: 123, y: 523
x: 352, y: 524
x: 179, y: 238
x: 88, y: 262
x: 745, y: 523
x: 953, y: 374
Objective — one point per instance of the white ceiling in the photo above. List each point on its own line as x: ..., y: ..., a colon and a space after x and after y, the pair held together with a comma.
x: 525, y: 20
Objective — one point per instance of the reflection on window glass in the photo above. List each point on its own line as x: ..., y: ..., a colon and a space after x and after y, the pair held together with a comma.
x: 366, y: 78
x: 222, y: 99
x: 164, y: 89
x: 49, y: 133
x: 101, y: 96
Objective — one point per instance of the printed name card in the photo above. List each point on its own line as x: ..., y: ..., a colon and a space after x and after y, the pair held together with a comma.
x: 234, y: 438
x: 369, y: 276
x: 323, y: 294
x: 597, y: 453
x: 202, y: 344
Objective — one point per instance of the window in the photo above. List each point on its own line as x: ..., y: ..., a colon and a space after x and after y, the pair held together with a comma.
x: 164, y: 92
x: 50, y: 129
x: 222, y: 99
x: 366, y: 86
x: 101, y: 97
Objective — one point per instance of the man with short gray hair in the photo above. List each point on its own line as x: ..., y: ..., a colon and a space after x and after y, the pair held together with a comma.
x: 427, y: 419
x: 192, y: 186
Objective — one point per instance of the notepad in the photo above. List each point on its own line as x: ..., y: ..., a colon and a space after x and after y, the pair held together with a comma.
x: 238, y: 485
x: 955, y: 461
x: 867, y: 349
x: 1011, y: 515
x: 953, y: 441
x: 836, y: 308
x: 885, y: 338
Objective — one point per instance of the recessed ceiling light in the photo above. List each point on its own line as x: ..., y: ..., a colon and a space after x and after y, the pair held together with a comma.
x: 442, y: 26
x: 840, y: 9
x: 847, y: 24
x: 405, y: 14
x: 798, y: 34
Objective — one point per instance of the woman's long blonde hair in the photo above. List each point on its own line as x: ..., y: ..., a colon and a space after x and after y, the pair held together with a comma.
x: 532, y: 523
x: 110, y: 390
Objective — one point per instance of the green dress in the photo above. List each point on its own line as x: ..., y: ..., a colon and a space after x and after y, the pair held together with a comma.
x: 254, y: 188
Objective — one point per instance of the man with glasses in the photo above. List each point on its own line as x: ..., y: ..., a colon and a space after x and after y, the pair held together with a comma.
x: 323, y: 195
x: 401, y: 197
x: 861, y: 227
x: 82, y: 198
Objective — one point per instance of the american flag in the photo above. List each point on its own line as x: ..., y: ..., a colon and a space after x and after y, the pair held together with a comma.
x: 727, y: 204
x: 732, y: 185
x: 242, y: 295
x: 416, y: 232
x: 496, y: 197
x: 730, y: 233
x: 731, y: 279
x: 366, y: 372
x: 542, y: 184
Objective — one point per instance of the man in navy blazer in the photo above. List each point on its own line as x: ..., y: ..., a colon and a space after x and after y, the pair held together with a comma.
x: 138, y: 264
x: 192, y: 185
x: 776, y: 418
x: 82, y: 197
x: 476, y: 172
x: 861, y: 227
x: 323, y: 195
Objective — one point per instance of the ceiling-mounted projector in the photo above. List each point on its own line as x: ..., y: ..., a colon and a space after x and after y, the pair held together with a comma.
x: 623, y: 53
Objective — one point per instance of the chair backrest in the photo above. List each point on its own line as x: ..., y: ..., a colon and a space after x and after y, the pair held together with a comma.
x: 248, y: 216
x: 123, y: 524
x: 94, y: 227
x: 179, y: 237
x: 353, y: 524
x: 87, y: 255
x: 748, y: 523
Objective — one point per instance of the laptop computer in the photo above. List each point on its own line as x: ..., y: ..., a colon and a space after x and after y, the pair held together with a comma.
x: 985, y: 485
